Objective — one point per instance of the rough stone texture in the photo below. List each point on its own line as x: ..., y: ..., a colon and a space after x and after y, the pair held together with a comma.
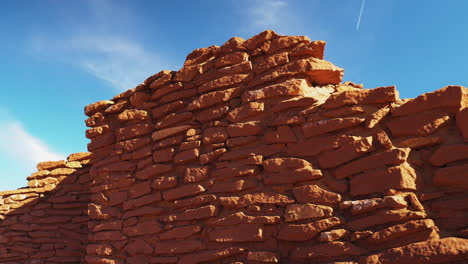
x: 253, y: 152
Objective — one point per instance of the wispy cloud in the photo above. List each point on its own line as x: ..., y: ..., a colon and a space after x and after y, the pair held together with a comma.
x: 104, y: 48
x: 22, y: 147
x: 266, y: 14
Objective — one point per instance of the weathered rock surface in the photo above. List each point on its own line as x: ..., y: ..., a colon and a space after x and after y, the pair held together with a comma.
x: 253, y: 152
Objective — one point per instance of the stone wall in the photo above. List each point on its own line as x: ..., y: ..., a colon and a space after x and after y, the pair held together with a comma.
x: 255, y: 152
x: 47, y: 222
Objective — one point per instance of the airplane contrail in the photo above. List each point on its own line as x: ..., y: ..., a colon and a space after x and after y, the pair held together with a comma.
x: 360, y: 15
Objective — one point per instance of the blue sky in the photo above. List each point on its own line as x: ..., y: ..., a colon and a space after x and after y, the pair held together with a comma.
x: 58, y: 56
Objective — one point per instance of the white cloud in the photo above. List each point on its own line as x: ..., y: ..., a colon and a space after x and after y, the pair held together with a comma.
x: 104, y: 48
x: 19, y: 145
x: 119, y: 61
x: 266, y: 14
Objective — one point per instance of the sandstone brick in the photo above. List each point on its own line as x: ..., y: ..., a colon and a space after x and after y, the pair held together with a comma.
x: 454, y: 177
x: 144, y: 228
x: 177, y: 246
x: 298, y: 212
x: 213, y: 135
x: 241, y: 218
x: 133, y: 115
x: 320, y: 72
x: 241, y: 141
x: 162, y: 79
x: 240, y: 233
x: 186, y: 156
x: 99, y: 260
x: 332, y: 235
x: 164, y: 133
x: 79, y: 156
x: 266, y: 63
x: 190, y: 145
x: 108, y: 236
x: 230, y: 59
x: 418, y: 142
x: 449, y: 96
x: 328, y: 250
x: 255, y: 41
x: 200, y: 55
x: 288, y: 88
x: 116, y: 108
x: 213, y: 98
x: 174, y: 119
x: 177, y: 95
x: 369, y: 96
x: 389, y: 157
x: 449, y: 153
x: 212, y: 113
x: 180, y: 232
x: 255, y: 198
x: 97, y: 119
x: 163, y: 183
x: 49, y: 165
x: 131, y: 144
x: 192, y: 214
x: 374, y: 119
x: 99, y: 106
x: 165, y: 260
x: 232, y: 186
x: 304, y: 232
x: 401, y: 230
x: 211, y: 156
x: 211, y: 255
x: 462, y: 122
x: 283, y: 134
x: 139, y: 189
x: 345, y: 153
x: 224, y: 82
x: 315, y: 194
x: 133, y: 131
x: 383, y: 217
x: 344, y: 111
x: 314, y: 49
x: 183, y: 191
x: 160, y: 92
x: 402, y: 177
x: 263, y: 256
x: 188, y: 73
x: 163, y: 155
x: 96, y: 131
x: 143, y: 211
x: 244, y: 129
x: 195, y: 174
x: 153, y: 171
x: 99, y: 249
x: 138, y: 246
x: 431, y: 251
x: 383, y: 139
x: 144, y: 200
x: 198, y: 200
x: 163, y: 110
x: 317, y: 128
x: 316, y: 145
x: 297, y: 102
x: 246, y: 111
x: 421, y: 124
x: 293, y: 176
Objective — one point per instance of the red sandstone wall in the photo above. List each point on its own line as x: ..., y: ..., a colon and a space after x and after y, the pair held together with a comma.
x: 47, y: 222
x: 255, y: 152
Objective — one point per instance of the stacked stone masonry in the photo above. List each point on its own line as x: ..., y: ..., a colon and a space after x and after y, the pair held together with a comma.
x: 253, y: 152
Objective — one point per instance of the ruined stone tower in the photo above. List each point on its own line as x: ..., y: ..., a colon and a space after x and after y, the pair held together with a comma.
x: 253, y: 152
